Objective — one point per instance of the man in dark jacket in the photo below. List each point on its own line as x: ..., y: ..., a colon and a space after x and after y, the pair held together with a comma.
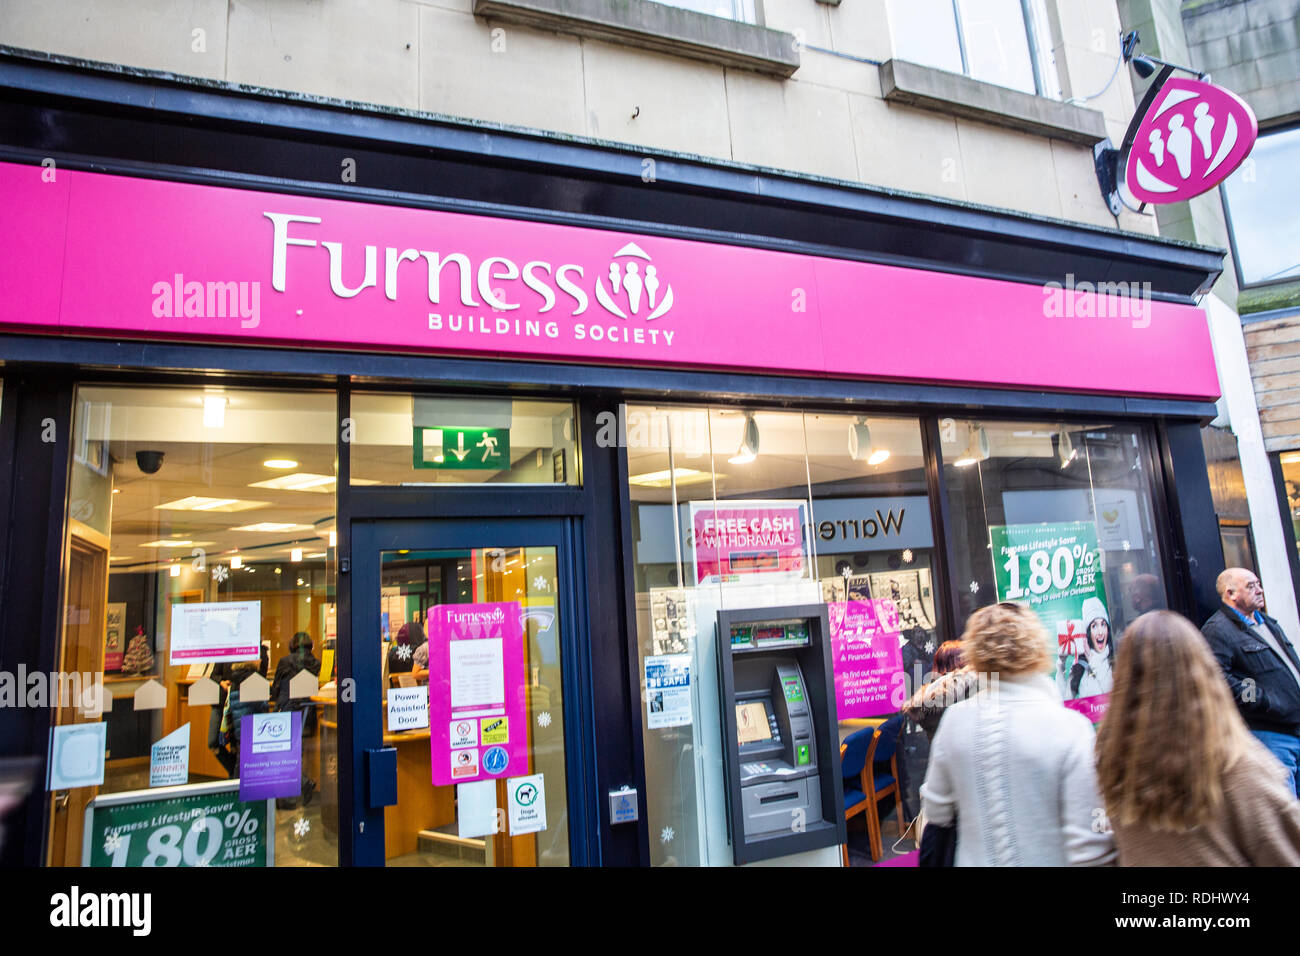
x: 1262, y: 668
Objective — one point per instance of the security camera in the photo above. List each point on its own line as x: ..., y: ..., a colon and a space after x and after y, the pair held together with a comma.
x: 149, y: 461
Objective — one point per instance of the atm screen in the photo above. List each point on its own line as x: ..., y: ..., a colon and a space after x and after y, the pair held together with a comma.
x: 754, y: 560
x: 751, y: 722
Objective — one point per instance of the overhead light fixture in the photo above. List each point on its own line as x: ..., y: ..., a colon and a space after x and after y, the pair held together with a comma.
x: 334, y: 539
x: 295, y: 555
x: 281, y: 463
x: 236, y: 562
x: 860, y: 447
x: 748, y: 449
x: 117, y: 491
x: 273, y: 527
x: 175, y: 570
x: 977, y: 449
x: 214, y: 411
x: 1065, y: 450
x: 200, y: 503
x: 298, y: 481
x: 662, y: 479
x: 176, y: 543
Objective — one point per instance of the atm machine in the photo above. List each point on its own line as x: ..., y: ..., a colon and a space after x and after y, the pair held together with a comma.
x: 780, y: 731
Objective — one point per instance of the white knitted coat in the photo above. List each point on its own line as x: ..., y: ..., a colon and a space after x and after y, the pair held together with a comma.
x: 1017, y: 770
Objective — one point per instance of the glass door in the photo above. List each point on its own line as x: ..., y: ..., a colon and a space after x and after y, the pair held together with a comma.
x: 459, y: 634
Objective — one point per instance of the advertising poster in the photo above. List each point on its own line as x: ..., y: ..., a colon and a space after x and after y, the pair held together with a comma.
x: 203, y: 824
x: 219, y: 631
x: 672, y: 618
x: 270, y: 755
x: 114, y: 636
x: 1056, y: 569
x: 169, y: 759
x: 668, y: 690
x: 478, y: 721
x: 866, y: 657
x: 732, y: 541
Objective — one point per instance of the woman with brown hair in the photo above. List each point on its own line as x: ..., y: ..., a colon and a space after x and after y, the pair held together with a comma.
x: 1011, y: 765
x: 1184, y: 780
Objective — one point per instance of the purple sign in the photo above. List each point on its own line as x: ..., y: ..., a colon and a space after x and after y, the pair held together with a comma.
x: 1192, y: 138
x: 270, y: 755
x: 867, y: 657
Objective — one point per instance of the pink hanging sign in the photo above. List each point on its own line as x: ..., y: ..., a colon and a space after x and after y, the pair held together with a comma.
x: 478, y: 708
x: 95, y: 254
x: 867, y: 657
x: 1192, y: 138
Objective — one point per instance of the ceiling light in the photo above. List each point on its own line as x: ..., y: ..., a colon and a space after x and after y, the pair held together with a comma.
x: 976, y: 450
x: 1290, y: 457
x: 201, y: 503
x: 214, y: 411
x: 175, y: 543
x: 272, y: 527
x: 117, y: 491
x: 317, y: 554
x: 295, y: 555
x: 283, y: 463
x: 236, y: 562
x: 334, y: 539
x: 175, y: 570
x: 298, y: 481
x: 662, y: 479
x: 860, y: 446
x: 1065, y: 450
x: 748, y: 449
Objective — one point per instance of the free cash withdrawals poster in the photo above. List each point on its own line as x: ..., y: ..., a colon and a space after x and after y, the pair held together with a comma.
x: 477, y: 708
x: 1056, y: 570
x: 731, y: 539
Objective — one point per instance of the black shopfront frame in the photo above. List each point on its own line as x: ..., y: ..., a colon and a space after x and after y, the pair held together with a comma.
x: 156, y: 126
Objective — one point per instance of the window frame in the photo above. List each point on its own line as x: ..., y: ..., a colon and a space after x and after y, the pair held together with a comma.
x: 1232, y: 227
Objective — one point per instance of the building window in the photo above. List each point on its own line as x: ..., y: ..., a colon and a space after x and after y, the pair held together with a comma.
x: 742, y: 10
x: 1004, y: 42
x: 1263, y: 198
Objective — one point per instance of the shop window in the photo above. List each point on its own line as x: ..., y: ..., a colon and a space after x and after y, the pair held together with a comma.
x: 200, y: 596
x: 996, y: 41
x: 742, y: 10
x: 1263, y: 199
x: 404, y: 439
x: 1057, y: 516
x: 855, y: 488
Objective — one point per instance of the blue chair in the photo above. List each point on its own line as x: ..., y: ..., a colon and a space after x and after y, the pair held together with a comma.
x: 869, y: 765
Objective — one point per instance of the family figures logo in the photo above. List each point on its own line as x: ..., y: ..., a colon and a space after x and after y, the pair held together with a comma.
x: 1193, y: 137
x: 627, y: 278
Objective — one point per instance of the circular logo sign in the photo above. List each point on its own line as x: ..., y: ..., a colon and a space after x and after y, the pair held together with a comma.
x: 495, y: 759
x: 526, y: 794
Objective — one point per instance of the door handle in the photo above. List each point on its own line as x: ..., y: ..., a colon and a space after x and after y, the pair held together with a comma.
x: 61, y: 800
x: 381, y: 777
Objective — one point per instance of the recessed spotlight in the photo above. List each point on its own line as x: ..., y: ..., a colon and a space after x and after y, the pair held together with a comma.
x: 175, y: 570
x: 284, y: 463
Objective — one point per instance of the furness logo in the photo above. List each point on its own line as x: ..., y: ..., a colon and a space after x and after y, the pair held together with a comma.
x: 638, y: 287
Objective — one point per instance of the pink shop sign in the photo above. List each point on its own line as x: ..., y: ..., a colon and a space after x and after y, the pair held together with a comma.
x: 92, y: 253
x: 866, y: 657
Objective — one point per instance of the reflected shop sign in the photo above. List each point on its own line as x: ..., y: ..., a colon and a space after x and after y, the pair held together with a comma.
x: 91, y: 253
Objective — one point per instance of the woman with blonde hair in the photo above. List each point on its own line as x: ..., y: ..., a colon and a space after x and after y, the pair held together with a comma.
x: 1184, y: 780
x: 1011, y: 765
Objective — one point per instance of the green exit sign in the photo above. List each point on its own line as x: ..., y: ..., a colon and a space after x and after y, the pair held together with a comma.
x: 461, y: 448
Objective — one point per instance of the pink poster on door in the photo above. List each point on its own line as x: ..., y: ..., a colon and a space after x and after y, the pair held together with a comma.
x: 731, y: 541
x: 477, y: 699
x: 866, y: 656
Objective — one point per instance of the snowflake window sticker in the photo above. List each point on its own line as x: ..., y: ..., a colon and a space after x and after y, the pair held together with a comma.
x: 404, y: 652
x: 111, y: 843
x: 539, y: 583
x: 301, y: 827
x: 666, y: 835
x: 544, y: 719
x: 974, y: 587
x: 219, y: 573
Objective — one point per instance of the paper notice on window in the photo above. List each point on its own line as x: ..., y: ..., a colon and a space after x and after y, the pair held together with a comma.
x: 217, y: 631
x: 477, y: 673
